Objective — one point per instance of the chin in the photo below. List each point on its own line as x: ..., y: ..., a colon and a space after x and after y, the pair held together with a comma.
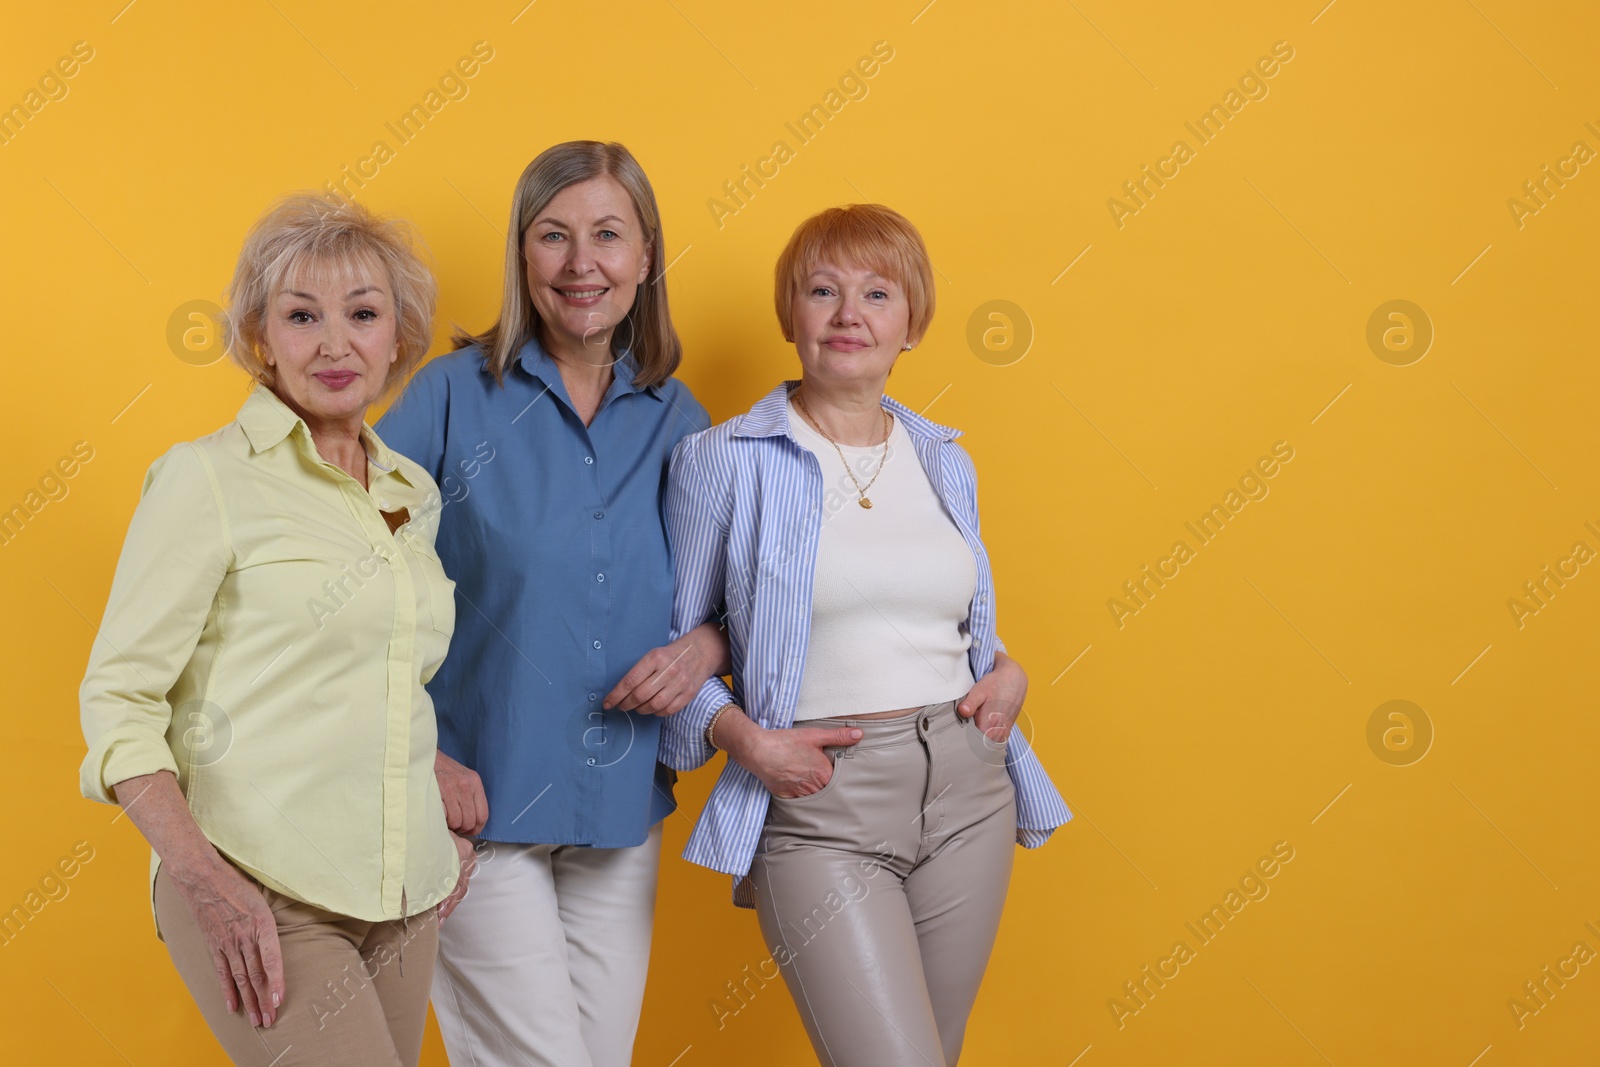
x: 852, y: 366
x: 343, y: 407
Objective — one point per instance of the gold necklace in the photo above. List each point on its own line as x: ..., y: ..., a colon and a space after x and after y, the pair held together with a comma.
x: 861, y: 490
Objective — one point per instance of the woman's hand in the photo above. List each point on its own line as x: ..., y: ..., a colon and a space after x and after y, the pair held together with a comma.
x: 469, y: 864
x: 228, y: 907
x: 667, y: 678
x: 995, y: 701
x: 790, y: 763
x: 241, y: 933
x: 466, y: 809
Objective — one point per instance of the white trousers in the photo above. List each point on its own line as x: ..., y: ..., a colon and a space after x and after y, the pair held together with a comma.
x: 544, y: 962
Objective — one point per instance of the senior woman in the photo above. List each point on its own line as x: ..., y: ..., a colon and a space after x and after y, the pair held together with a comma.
x: 876, y: 780
x: 551, y: 433
x: 255, y: 700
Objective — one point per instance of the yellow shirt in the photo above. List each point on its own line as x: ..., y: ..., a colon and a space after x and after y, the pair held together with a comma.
x: 267, y: 640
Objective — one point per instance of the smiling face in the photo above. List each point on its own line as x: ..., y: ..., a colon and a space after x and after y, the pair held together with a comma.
x: 587, y: 255
x: 850, y: 324
x: 330, y: 337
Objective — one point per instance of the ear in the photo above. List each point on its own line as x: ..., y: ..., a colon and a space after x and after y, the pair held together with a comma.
x: 644, y: 268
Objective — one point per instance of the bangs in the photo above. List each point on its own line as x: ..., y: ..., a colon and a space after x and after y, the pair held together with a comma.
x: 865, y: 236
x: 846, y: 241
x: 341, y: 268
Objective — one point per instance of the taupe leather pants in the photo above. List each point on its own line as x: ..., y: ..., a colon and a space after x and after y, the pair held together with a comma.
x: 880, y: 894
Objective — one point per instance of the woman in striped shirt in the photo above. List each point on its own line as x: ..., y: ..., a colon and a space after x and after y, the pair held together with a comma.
x: 876, y: 780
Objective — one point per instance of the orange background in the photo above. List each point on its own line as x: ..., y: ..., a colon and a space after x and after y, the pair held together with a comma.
x: 1139, y: 372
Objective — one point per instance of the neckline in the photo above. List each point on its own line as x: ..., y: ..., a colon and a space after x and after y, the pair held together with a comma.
x: 798, y: 420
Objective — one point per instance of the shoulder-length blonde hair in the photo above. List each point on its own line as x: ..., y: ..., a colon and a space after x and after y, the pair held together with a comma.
x: 654, y: 344
x: 312, y: 232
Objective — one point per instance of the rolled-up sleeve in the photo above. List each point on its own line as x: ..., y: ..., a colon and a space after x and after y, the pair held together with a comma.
x: 697, y: 531
x: 173, y: 562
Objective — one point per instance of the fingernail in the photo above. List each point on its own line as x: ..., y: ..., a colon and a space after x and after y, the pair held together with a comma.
x: 255, y: 1020
x: 277, y: 998
x: 855, y: 734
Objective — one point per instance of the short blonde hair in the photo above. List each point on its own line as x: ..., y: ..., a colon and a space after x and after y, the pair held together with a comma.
x: 870, y: 236
x: 313, y: 232
x: 650, y: 338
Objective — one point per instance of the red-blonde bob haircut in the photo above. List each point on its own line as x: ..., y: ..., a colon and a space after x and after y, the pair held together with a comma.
x: 868, y: 236
x: 314, y: 236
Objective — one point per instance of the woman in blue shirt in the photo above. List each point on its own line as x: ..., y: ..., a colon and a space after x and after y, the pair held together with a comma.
x: 876, y: 781
x: 549, y: 435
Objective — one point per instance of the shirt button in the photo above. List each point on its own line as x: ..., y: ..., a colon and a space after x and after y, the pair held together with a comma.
x: 599, y: 514
x: 597, y: 644
x: 599, y: 577
x: 594, y: 696
x: 591, y: 761
x: 589, y: 460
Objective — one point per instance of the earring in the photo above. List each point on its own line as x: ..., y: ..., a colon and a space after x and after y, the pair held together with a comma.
x: 908, y: 347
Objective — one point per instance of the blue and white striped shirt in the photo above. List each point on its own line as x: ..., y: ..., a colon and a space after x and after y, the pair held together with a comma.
x: 744, y: 515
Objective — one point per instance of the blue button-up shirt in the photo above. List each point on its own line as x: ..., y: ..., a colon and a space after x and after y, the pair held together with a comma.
x: 744, y: 511
x: 555, y: 536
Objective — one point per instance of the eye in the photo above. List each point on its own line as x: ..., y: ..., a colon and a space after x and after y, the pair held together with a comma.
x: 821, y: 290
x: 366, y: 314
x: 552, y: 237
x: 879, y: 294
x: 300, y: 317
x: 610, y: 234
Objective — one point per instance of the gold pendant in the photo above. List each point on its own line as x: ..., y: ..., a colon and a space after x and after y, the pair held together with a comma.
x: 865, y: 502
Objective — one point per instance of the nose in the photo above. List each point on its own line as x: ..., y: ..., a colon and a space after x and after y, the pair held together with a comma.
x: 335, y: 338
x: 580, y: 259
x: 848, y: 313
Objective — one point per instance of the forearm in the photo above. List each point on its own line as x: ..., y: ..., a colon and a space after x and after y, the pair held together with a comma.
x: 155, y: 804
x: 738, y: 735
x: 1004, y: 662
x: 712, y: 640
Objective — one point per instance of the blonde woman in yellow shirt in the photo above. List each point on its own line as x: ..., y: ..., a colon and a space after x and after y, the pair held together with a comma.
x: 255, y: 700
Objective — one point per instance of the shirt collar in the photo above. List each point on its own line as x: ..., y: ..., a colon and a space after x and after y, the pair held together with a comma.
x: 537, y: 362
x: 267, y: 421
x: 770, y: 418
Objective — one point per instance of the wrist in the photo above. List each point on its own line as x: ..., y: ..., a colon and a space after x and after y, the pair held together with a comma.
x: 737, y: 734
x: 196, y: 868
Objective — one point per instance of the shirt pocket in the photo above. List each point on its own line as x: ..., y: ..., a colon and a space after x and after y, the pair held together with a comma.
x: 440, y: 590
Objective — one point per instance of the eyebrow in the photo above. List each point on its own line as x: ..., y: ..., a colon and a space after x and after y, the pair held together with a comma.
x: 558, y: 222
x: 351, y: 294
x: 824, y: 273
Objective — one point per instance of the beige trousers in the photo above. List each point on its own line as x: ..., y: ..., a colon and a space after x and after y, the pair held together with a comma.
x: 880, y: 895
x: 355, y: 992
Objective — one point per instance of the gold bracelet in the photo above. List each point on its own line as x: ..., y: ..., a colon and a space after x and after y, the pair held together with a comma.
x: 711, y: 727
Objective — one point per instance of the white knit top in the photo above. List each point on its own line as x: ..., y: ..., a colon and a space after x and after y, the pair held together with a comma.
x: 893, y: 585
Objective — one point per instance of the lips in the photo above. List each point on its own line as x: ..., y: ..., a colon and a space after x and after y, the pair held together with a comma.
x: 336, y: 379
x: 587, y: 296
x: 845, y: 344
